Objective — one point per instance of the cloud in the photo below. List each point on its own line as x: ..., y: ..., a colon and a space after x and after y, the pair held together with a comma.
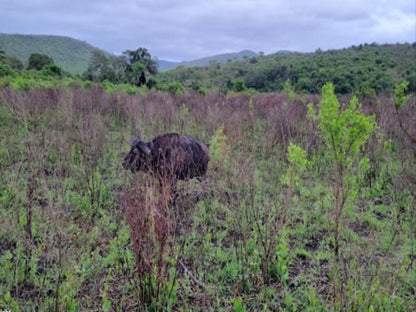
x: 189, y: 29
x: 395, y: 24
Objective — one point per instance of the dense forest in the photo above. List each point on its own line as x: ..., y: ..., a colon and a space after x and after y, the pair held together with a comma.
x: 308, y: 203
x: 363, y: 69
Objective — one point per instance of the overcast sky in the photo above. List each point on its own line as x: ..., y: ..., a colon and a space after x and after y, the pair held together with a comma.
x: 191, y: 29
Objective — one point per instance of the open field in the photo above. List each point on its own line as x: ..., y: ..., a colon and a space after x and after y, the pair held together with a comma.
x: 258, y: 233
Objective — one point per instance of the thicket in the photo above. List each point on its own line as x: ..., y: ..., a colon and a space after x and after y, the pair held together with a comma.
x: 361, y: 70
x: 365, y: 69
x: 258, y: 233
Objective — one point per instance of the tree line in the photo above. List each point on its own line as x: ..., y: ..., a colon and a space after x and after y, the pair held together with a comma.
x: 132, y: 67
x: 363, y: 69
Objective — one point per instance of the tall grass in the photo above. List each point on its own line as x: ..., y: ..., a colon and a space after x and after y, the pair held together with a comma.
x: 79, y: 233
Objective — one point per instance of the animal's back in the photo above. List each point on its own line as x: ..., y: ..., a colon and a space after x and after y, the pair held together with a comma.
x: 179, y: 155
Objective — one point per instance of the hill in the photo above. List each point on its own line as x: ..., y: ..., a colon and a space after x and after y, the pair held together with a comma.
x: 220, y: 58
x: 71, y: 54
x: 367, y: 68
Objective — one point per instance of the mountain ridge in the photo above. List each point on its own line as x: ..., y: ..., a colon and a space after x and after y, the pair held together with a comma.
x: 219, y: 58
x: 71, y: 54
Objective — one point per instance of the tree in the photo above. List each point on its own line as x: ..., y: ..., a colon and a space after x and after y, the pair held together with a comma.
x: 37, y: 61
x: 14, y: 62
x: 140, y: 63
x: 345, y: 132
x: 138, y: 74
x: 102, y: 67
x: 98, y: 66
x: 2, y: 55
x: 118, y: 66
x: 52, y: 70
x: 256, y: 80
x: 238, y: 85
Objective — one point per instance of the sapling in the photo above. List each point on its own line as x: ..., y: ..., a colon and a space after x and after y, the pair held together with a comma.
x: 345, y: 131
x: 297, y: 165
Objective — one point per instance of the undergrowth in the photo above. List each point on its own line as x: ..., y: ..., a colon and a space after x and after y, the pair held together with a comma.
x: 78, y: 232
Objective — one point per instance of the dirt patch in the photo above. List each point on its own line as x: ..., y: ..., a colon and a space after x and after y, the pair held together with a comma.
x: 360, y: 229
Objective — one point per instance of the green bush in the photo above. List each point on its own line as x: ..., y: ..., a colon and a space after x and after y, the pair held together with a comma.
x: 52, y: 70
x: 175, y: 87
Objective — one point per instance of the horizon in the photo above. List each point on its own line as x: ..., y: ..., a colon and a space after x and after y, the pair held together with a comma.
x: 208, y: 56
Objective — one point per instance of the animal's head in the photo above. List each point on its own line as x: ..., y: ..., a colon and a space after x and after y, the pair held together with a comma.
x: 138, y: 157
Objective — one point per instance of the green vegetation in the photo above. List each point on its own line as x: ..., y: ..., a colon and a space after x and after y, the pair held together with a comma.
x: 132, y: 67
x: 345, y: 133
x: 78, y: 232
x: 71, y: 54
x: 220, y: 58
x: 363, y: 69
x: 366, y: 69
x: 38, y: 61
x: 308, y: 203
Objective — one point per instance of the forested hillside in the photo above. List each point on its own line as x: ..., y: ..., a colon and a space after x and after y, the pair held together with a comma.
x: 367, y: 69
x: 220, y: 58
x: 71, y: 54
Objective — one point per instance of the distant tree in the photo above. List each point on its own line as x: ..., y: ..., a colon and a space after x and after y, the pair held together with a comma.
x: 151, y: 83
x: 255, y: 80
x: 2, y: 55
x: 52, y: 70
x: 175, y: 87
x: 118, y: 66
x: 37, y: 61
x: 139, y: 64
x: 238, y: 85
x: 412, y: 82
x: 14, y: 62
x: 303, y: 84
x: 97, y: 67
x: 112, y: 68
x: 138, y: 74
x: 5, y: 69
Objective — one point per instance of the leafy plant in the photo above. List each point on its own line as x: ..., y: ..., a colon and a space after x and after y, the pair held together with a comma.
x: 257, y: 233
x: 175, y: 87
x: 399, y: 94
x: 345, y: 131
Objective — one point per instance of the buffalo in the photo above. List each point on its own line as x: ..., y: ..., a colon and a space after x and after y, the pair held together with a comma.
x: 169, y: 157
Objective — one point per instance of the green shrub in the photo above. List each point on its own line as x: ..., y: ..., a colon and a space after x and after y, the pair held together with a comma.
x: 175, y: 87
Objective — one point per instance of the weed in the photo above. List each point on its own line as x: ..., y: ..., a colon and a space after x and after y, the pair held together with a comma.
x: 257, y: 234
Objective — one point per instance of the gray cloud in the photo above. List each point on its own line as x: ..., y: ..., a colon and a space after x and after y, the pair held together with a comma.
x: 190, y: 29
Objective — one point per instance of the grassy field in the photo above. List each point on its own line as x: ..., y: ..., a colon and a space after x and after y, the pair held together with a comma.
x: 261, y: 232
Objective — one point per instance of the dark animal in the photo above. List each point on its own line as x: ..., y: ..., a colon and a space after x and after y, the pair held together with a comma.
x: 168, y: 157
